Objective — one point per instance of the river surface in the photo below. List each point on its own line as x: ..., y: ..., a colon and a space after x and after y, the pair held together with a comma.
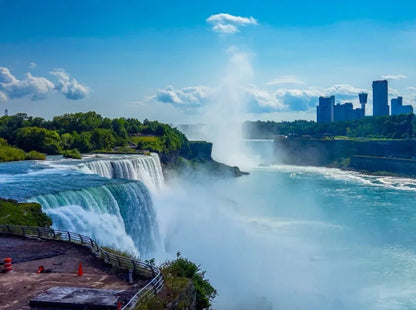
x: 283, y: 237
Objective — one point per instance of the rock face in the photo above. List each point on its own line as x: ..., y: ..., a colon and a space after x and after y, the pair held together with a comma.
x: 321, y: 152
x: 391, y: 156
x: 197, y: 160
x: 186, y: 299
x: 200, y: 150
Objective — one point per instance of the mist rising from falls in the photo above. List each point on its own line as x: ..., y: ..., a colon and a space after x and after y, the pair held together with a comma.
x: 227, y: 110
x: 139, y: 167
x: 117, y: 215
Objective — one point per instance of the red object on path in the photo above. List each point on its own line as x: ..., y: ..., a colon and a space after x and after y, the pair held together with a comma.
x: 80, y: 273
x: 119, y: 306
x: 41, y: 269
x: 7, y: 266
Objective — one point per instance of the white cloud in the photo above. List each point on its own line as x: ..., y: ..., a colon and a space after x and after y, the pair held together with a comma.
x: 394, y: 77
x: 69, y: 86
x: 3, y: 97
x: 257, y: 100
x: 285, y: 79
x: 393, y: 92
x: 261, y: 101
x: 188, y: 96
x: 412, y: 88
x: 225, y: 28
x: 343, y: 91
x: 36, y: 87
x: 298, y: 99
x: 32, y: 65
x: 227, y: 23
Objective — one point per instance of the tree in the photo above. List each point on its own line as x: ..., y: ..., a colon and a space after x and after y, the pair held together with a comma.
x: 39, y: 139
x: 102, y: 139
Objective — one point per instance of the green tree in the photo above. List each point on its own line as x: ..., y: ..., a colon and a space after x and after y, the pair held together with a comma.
x: 102, y: 139
x: 39, y: 139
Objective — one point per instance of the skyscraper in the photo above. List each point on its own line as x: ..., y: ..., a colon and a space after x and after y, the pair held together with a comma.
x: 380, y: 98
x: 325, y: 109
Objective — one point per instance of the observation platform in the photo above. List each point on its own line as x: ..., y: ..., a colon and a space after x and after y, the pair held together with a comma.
x: 79, y: 298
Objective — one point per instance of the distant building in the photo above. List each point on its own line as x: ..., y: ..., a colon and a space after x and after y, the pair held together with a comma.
x: 6, y: 112
x: 380, y: 98
x: 346, y: 112
x: 343, y: 112
x: 397, y: 107
x: 325, y: 109
x: 363, y: 101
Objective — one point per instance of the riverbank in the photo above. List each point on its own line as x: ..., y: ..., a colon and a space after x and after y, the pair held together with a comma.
x: 382, y: 157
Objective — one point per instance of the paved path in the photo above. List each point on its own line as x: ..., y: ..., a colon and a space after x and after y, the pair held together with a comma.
x: 60, y: 260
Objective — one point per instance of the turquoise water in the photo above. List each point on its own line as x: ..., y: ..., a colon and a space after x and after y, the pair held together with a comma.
x: 283, y: 237
x: 289, y: 237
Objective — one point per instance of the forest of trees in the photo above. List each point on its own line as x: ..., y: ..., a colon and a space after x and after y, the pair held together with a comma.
x: 384, y: 127
x: 75, y: 133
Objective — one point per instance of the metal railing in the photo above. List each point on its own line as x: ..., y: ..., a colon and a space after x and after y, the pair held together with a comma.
x: 152, y: 288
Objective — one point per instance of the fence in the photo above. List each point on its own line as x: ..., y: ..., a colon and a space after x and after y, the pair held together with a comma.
x: 152, y: 288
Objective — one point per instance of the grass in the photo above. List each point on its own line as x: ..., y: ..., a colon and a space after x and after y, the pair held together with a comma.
x: 26, y: 213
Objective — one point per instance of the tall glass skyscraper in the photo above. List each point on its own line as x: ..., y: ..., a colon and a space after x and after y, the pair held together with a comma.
x: 380, y: 98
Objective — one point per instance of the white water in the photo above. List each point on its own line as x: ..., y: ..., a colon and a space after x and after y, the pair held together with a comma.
x: 136, y: 167
x: 118, y: 215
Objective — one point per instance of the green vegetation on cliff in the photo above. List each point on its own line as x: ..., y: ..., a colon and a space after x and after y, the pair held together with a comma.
x: 25, y: 213
x: 185, y: 287
x: 72, y: 133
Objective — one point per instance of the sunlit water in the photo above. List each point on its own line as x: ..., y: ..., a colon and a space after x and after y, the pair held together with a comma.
x: 283, y: 237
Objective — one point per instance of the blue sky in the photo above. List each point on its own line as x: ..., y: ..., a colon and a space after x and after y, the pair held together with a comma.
x: 175, y: 60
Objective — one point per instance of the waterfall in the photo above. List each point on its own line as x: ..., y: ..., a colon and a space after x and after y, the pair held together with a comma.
x: 145, y: 168
x: 116, y: 215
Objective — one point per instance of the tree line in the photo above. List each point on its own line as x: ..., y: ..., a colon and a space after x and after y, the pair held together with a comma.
x: 74, y: 133
x: 381, y: 127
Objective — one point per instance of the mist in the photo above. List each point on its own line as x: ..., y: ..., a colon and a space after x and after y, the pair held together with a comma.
x: 225, y: 112
x: 278, y: 240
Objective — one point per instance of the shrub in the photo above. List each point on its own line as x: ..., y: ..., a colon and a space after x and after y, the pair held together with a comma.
x: 181, y: 269
x: 74, y: 153
x: 8, y: 153
x: 35, y: 155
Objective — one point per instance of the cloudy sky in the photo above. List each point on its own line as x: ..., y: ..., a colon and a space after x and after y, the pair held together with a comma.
x: 174, y: 60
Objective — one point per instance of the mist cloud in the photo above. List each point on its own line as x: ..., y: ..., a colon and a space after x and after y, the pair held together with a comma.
x: 227, y: 23
x: 38, y: 88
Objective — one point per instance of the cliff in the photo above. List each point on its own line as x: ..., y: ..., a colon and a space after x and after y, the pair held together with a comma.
x: 196, y: 160
x: 392, y: 156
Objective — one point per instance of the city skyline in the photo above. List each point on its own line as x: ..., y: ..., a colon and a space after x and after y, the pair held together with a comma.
x: 172, y: 62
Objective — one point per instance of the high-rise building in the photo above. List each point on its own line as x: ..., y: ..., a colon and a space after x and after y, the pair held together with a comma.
x: 363, y: 101
x: 397, y: 107
x: 325, y: 109
x: 380, y: 98
x: 343, y: 112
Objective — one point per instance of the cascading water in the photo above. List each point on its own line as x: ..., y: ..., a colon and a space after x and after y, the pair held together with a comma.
x: 117, y: 215
x: 115, y: 211
x: 145, y: 168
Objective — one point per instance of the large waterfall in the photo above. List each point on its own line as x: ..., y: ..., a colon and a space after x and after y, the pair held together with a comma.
x: 117, y: 215
x: 105, y: 197
x: 145, y: 168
